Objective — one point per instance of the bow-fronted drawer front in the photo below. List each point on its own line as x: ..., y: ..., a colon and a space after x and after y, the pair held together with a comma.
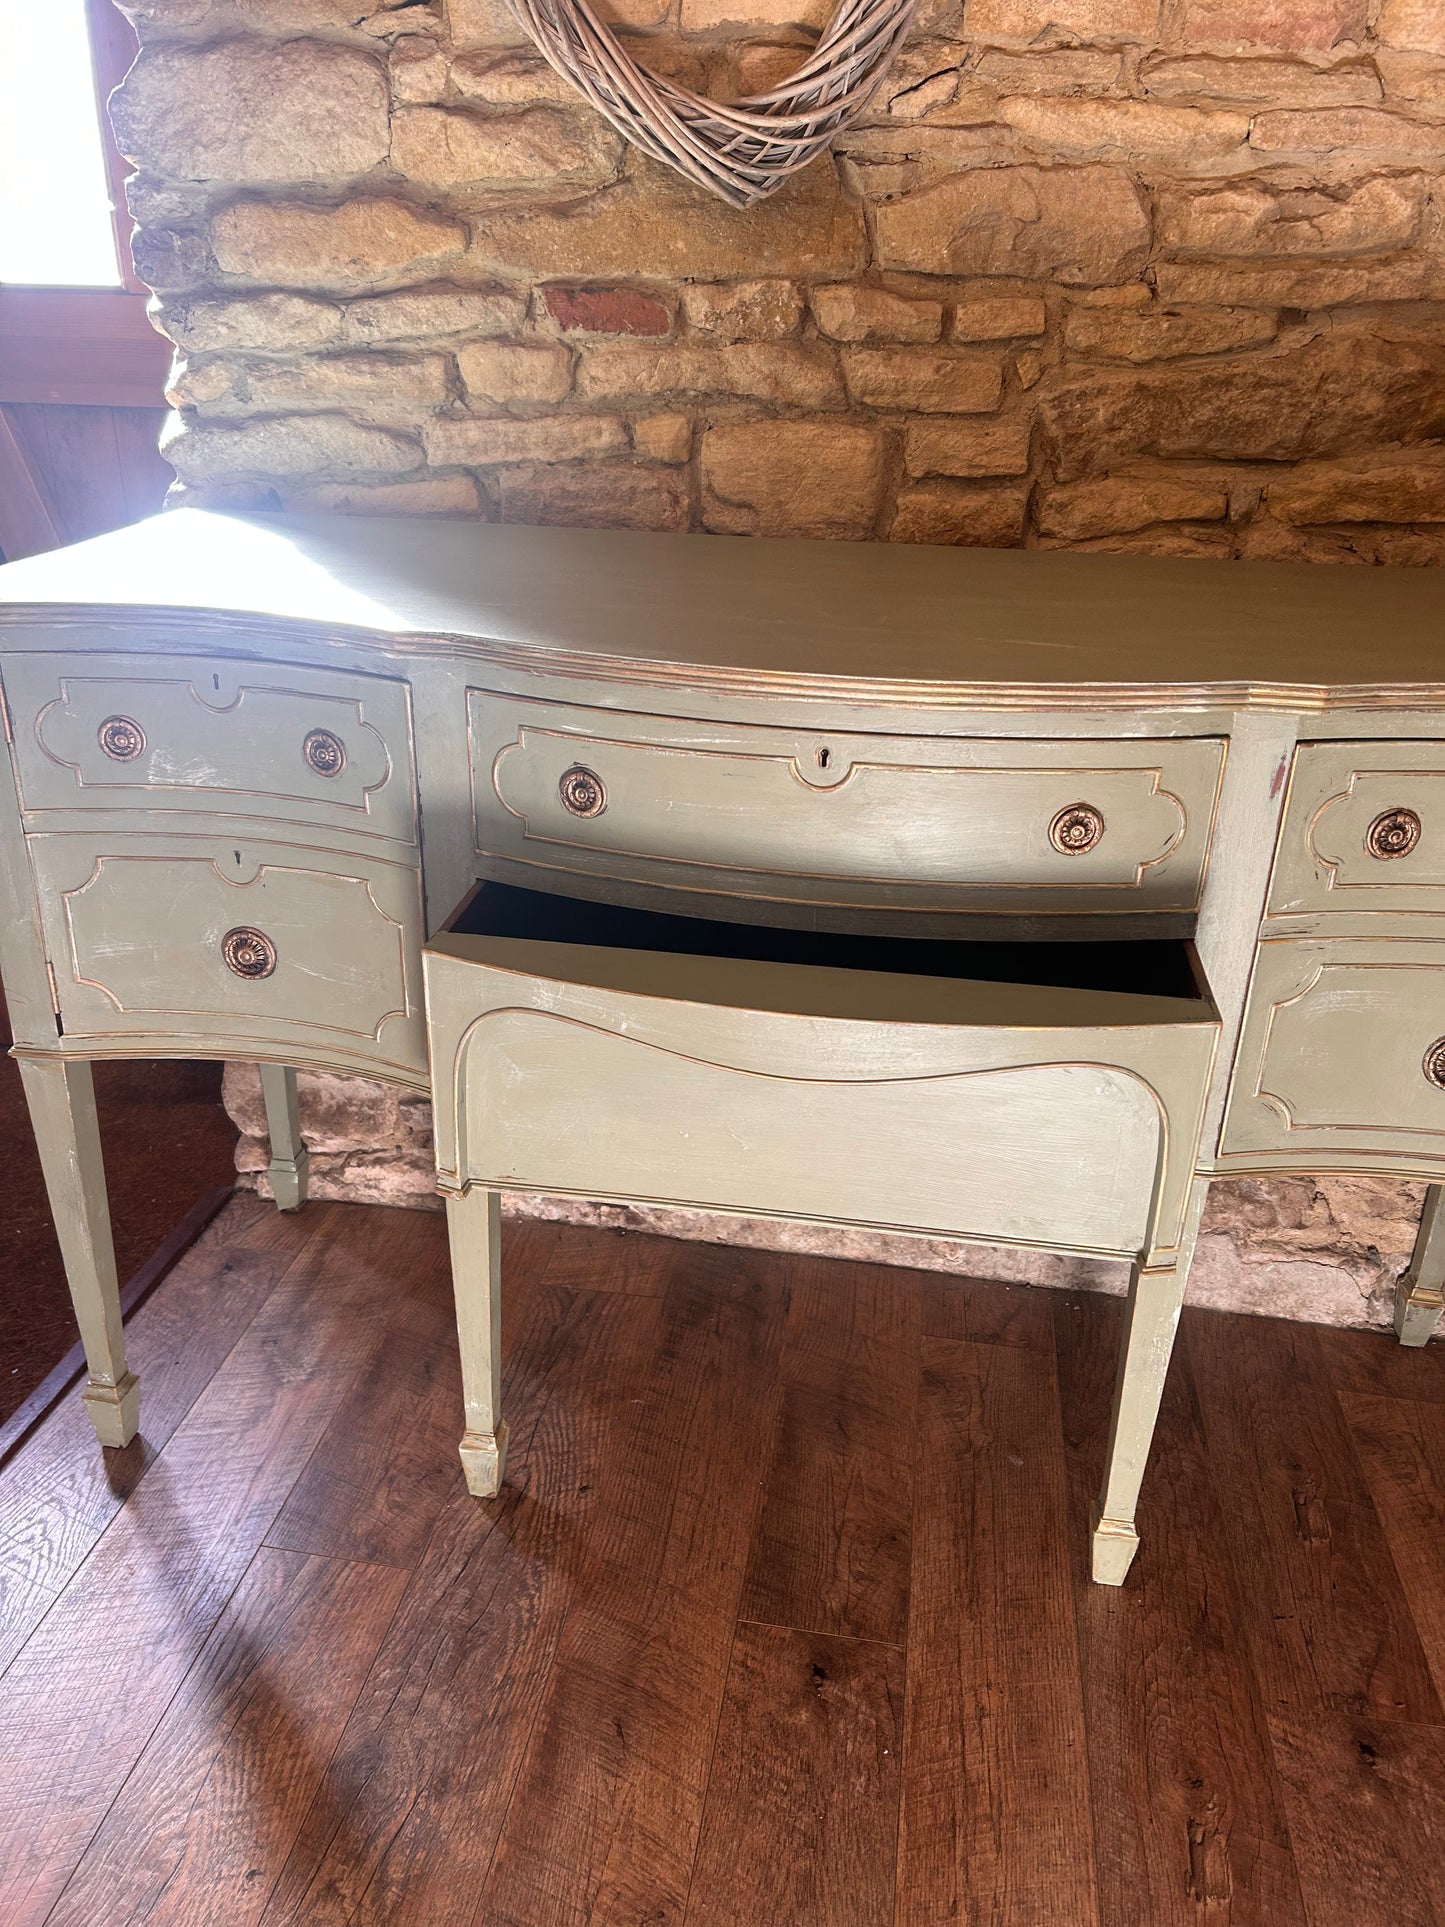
x: 195, y: 733
x: 1364, y: 829
x: 1342, y: 1052
x: 226, y: 945
x: 900, y: 822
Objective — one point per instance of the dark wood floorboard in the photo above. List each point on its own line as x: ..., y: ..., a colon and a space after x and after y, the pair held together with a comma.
x: 1330, y: 1628
x: 782, y: 1617
x: 1189, y: 1819
x: 58, y: 1494
x: 203, y: 1825
x: 995, y: 1816
x: 802, y: 1804
x: 831, y: 1552
x: 603, y: 1824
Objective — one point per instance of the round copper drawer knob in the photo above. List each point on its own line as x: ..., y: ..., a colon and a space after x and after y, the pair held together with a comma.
x: 122, y: 738
x: 1434, y: 1063
x: 248, y: 953
x: 1393, y: 833
x: 1076, y: 829
x: 582, y: 792
x: 324, y: 753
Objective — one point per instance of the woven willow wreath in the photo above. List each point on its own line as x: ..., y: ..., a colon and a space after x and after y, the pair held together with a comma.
x: 744, y: 149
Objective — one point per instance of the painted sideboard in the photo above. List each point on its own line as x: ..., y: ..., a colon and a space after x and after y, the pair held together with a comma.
x: 255, y: 762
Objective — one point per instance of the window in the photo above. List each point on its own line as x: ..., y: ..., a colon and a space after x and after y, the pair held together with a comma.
x: 57, y: 226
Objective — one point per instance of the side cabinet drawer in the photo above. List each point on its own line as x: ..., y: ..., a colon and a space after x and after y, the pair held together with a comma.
x: 1364, y: 829
x: 166, y: 734
x: 1343, y: 1050
x: 175, y: 937
x: 919, y: 823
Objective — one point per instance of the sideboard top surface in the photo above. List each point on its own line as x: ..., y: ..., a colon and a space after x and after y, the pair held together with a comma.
x: 940, y: 623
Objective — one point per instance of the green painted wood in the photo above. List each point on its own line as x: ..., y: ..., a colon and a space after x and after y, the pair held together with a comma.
x: 789, y: 731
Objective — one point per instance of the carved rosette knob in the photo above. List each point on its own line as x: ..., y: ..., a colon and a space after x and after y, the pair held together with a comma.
x: 121, y: 738
x: 582, y: 791
x: 1076, y: 829
x: 1433, y: 1064
x: 1393, y: 833
x: 324, y: 753
x: 248, y: 953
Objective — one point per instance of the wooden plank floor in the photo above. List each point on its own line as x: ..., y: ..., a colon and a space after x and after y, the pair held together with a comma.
x: 781, y: 1620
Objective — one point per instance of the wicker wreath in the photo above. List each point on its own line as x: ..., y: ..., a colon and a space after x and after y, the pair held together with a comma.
x: 744, y: 149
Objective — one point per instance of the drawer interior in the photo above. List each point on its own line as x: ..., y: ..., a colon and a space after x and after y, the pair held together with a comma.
x: 1151, y: 967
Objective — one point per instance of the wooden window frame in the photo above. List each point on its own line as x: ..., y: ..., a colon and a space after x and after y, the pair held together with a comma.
x: 88, y: 347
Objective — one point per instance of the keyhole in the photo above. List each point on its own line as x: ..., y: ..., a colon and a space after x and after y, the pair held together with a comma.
x: 825, y: 756
x: 215, y: 682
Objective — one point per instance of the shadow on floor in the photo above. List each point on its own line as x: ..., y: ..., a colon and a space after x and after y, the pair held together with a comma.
x: 167, y: 1142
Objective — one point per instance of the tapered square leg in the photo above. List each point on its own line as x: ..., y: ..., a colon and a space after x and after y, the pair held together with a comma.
x: 474, y: 1226
x: 61, y: 1095
x: 290, y: 1160
x: 1420, y: 1294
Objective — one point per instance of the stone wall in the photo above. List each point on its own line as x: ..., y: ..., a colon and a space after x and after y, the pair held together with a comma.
x: 1111, y: 274
x: 1160, y: 275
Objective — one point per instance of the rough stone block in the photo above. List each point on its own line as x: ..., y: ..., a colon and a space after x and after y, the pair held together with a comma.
x: 999, y: 318
x: 957, y: 515
x: 1163, y: 334
x: 298, y: 16
x: 703, y: 16
x: 969, y: 449
x: 1248, y: 217
x: 1071, y: 224
x: 1408, y: 486
x: 511, y: 80
x: 361, y: 244
x: 418, y: 72
x: 386, y: 388
x: 431, y: 495
x: 538, y: 147
x: 1047, y: 70
x: 485, y: 23
x: 1125, y: 129
x: 470, y: 441
x: 657, y: 227
x: 422, y: 314
x: 1355, y: 130
x: 607, y: 311
x: 505, y: 371
x: 743, y: 310
x: 1120, y: 503
x: 1300, y: 84
x: 791, y: 478
x: 847, y: 311
x: 1416, y: 24
x: 200, y: 325
x: 1079, y: 19
x: 250, y: 112
x: 1311, y: 284
x: 777, y: 372
x: 938, y: 384
x: 663, y: 438
x: 1291, y: 26
x: 1344, y: 392
x: 599, y: 495
x: 286, y: 445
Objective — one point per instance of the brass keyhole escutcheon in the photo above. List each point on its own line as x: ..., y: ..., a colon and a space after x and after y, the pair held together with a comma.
x: 248, y: 953
x: 1434, y: 1063
x: 324, y: 752
x: 582, y: 791
x: 1076, y: 829
x: 121, y: 738
x: 1393, y: 833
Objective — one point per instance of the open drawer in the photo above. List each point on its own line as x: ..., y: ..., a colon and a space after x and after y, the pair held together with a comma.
x: 1044, y: 1094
